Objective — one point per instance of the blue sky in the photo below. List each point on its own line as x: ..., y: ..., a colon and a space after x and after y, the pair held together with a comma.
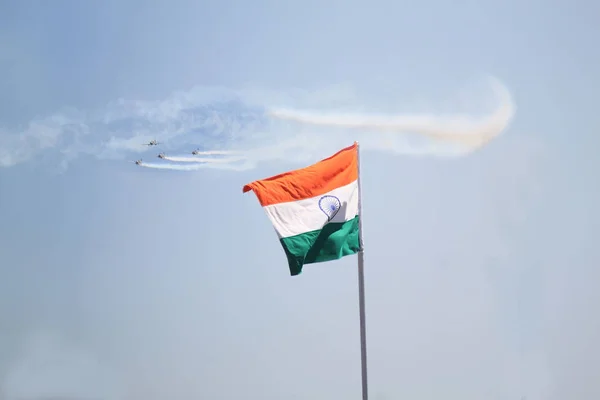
x: 120, y: 282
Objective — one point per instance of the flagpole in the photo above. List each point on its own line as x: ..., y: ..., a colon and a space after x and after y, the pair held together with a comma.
x: 361, y: 290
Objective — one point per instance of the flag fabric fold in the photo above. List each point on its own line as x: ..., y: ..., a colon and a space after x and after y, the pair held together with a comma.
x: 314, y: 210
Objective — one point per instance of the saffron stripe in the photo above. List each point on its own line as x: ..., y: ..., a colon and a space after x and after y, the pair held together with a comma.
x: 322, y: 177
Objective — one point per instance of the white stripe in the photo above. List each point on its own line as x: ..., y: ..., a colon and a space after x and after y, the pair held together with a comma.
x: 296, y: 217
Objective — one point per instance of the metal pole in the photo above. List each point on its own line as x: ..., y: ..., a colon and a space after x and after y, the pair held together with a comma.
x: 361, y: 290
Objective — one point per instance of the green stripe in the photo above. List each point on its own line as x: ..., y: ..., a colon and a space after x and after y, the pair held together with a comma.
x: 334, y: 241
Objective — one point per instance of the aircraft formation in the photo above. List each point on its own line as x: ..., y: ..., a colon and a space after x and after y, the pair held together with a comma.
x: 160, y: 155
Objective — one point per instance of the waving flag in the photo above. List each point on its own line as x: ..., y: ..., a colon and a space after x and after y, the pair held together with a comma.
x: 315, y: 210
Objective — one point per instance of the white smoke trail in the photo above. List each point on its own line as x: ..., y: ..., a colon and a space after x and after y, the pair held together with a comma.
x: 463, y: 130
x: 196, y: 167
x: 236, y: 123
x: 216, y: 153
x: 328, y: 132
x: 204, y: 159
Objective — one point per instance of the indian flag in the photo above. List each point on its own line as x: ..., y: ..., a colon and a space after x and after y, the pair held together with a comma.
x: 314, y: 210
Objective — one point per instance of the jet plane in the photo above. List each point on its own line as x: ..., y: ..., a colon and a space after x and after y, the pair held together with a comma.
x: 152, y: 143
x: 138, y: 162
x: 196, y: 152
x: 161, y: 155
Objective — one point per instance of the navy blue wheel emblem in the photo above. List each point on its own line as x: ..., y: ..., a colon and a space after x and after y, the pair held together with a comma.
x: 330, y: 205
